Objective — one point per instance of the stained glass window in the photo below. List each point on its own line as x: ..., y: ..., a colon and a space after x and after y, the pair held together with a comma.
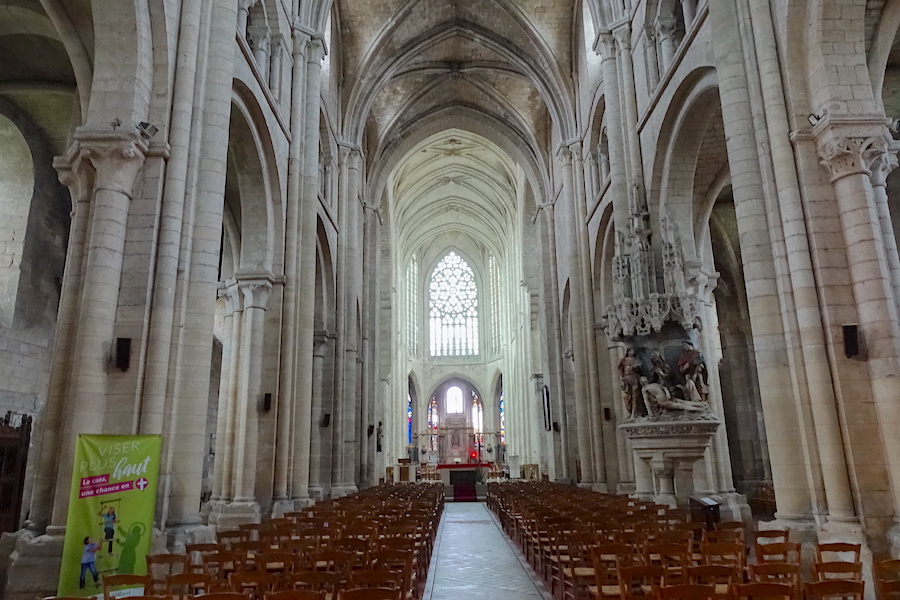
x: 477, y: 414
x: 502, y: 420
x: 453, y: 304
x: 433, y: 424
x: 409, y: 438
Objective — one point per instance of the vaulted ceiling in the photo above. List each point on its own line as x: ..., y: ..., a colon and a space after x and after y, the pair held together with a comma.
x: 497, y: 76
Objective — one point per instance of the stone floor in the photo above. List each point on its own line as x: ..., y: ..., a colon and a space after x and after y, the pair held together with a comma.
x: 474, y: 559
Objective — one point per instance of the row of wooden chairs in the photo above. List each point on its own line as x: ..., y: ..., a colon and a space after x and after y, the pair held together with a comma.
x: 380, y: 537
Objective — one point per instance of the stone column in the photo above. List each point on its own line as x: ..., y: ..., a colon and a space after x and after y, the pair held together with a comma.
x: 79, y: 179
x: 665, y: 32
x: 288, y: 437
x: 233, y: 310
x: 578, y: 323
x: 319, y: 488
x: 116, y: 158
x: 260, y: 38
x: 689, y: 11
x: 243, y: 16
x: 306, y: 282
x: 615, y: 132
x: 255, y: 290
x: 554, y: 350
x: 775, y: 343
x: 848, y: 149
x: 881, y: 166
x: 651, y: 53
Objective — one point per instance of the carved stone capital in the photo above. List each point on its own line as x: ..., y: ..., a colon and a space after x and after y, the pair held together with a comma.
x: 116, y: 157
x: 665, y: 27
x: 623, y: 37
x: 230, y: 297
x: 255, y: 290
x: 315, y: 50
x: 851, y: 146
x: 565, y: 156
x: 606, y: 44
x: 881, y: 164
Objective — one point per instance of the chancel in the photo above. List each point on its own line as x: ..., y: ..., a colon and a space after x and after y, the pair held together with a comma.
x: 331, y: 248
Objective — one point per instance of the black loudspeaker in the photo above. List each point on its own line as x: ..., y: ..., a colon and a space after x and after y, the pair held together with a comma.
x: 556, y: 426
x: 267, y: 402
x: 851, y: 340
x: 326, y: 419
x: 123, y: 354
x: 607, y: 415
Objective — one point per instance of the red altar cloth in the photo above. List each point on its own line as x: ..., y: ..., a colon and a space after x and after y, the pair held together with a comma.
x: 463, y: 465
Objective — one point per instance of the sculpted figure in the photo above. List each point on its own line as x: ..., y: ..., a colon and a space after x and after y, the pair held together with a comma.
x: 657, y: 399
x: 660, y: 371
x: 630, y: 371
x: 693, y: 366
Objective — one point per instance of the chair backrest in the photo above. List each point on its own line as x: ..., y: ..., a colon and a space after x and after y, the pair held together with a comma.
x: 224, y: 596
x: 736, y: 526
x: 184, y: 586
x: 788, y: 573
x: 836, y: 588
x: 113, y: 581
x: 319, y: 581
x: 160, y: 566
x: 195, y: 553
x: 640, y: 581
x: 375, y: 579
x: 687, y: 591
x: 770, y: 536
x: 275, y: 562
x: 370, y: 594
x: 253, y: 583
x: 296, y: 595
x: 887, y: 569
x: 788, y: 552
x: 755, y: 591
x: 887, y: 589
x: 724, y: 553
x: 838, y: 551
x: 829, y: 571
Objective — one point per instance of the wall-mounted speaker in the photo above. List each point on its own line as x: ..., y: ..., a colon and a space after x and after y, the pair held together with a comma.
x: 326, y: 419
x: 123, y: 354
x: 851, y: 340
x: 607, y: 414
x: 556, y: 426
x: 266, y: 402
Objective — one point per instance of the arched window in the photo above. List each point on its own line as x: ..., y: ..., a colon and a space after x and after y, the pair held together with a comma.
x: 453, y: 301
x: 502, y: 420
x: 412, y: 306
x: 409, y: 438
x: 433, y: 424
x: 454, y: 401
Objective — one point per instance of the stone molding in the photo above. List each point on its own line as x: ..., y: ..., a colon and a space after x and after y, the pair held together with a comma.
x: 851, y: 146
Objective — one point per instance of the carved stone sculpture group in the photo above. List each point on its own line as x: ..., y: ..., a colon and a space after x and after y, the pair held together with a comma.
x: 662, y: 390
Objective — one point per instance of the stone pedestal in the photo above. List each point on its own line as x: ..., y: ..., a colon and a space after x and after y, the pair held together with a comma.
x: 665, y: 454
x: 34, y: 566
x: 227, y: 516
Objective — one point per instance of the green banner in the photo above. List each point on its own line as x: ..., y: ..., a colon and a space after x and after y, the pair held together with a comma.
x: 110, y: 521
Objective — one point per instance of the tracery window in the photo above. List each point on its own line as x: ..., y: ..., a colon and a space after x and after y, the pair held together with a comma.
x: 502, y: 420
x: 453, y: 304
x: 409, y: 415
x: 432, y: 424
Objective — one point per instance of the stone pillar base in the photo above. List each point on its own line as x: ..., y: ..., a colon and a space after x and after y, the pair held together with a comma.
x: 304, y: 502
x: 626, y: 487
x: 179, y: 536
x: 34, y: 566
x: 225, y: 516
x: 281, y: 507
x: 339, y: 491
x: 601, y: 487
x: 733, y: 507
x: 318, y: 493
x: 8, y: 543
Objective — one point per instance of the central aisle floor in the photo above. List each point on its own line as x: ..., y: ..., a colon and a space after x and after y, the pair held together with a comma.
x: 474, y: 559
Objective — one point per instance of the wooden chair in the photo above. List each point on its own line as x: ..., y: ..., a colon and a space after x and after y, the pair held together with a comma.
x: 185, y: 586
x: 641, y: 582
x: 250, y: 531
x: 253, y: 584
x: 196, y: 552
x: 786, y: 573
x: 757, y: 591
x: 830, y: 571
x: 109, y: 582
x: 687, y: 591
x: 770, y: 536
x: 737, y: 526
x: 723, y: 578
x: 370, y: 594
x: 316, y: 581
x: 674, y: 558
x: 160, y: 566
x: 225, y: 596
x: 227, y: 538
x: 782, y: 552
x: 729, y: 554
x: 577, y: 573
x: 724, y: 536
x: 885, y: 572
x: 835, y: 589
x: 887, y: 589
x: 221, y: 565
x: 838, y: 551
x: 376, y: 579
x: 399, y: 561
x: 295, y: 595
